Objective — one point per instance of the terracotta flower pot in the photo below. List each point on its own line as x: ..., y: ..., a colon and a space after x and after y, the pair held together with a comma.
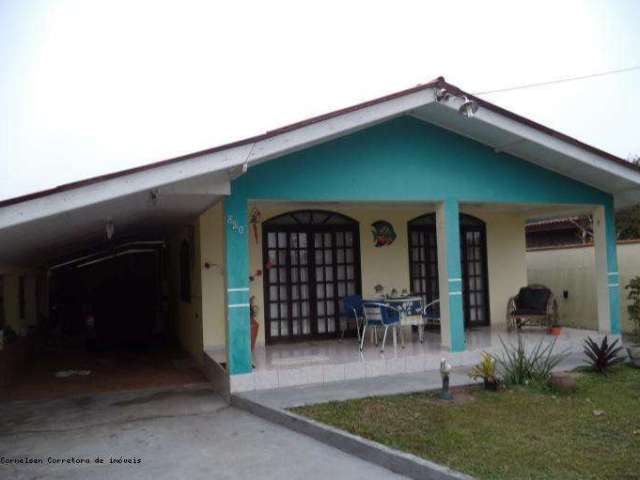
x: 555, y: 331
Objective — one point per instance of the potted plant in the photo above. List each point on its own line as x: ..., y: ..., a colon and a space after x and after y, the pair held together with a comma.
x: 555, y: 330
x: 255, y: 326
x: 486, y: 370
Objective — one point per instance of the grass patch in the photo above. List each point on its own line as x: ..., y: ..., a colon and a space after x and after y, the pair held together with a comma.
x: 519, y: 433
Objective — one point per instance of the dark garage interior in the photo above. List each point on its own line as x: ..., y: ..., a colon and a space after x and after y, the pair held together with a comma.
x: 108, y: 327
x: 113, y: 301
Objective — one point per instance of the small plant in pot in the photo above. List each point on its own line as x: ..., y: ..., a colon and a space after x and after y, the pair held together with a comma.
x: 486, y: 370
x: 555, y: 330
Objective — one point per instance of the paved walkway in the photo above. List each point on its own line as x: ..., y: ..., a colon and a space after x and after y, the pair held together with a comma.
x: 284, y: 398
x: 290, y: 397
x: 180, y: 433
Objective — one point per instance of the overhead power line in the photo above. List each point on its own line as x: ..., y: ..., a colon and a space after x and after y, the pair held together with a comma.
x: 562, y: 80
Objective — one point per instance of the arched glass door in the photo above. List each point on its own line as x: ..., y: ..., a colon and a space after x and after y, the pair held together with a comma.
x: 312, y: 261
x: 423, y: 262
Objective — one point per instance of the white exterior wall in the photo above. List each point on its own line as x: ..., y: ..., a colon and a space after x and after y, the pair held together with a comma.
x: 573, y: 269
x: 213, y: 279
x: 186, y: 317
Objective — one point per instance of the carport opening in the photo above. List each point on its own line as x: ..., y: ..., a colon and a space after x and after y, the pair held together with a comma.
x: 109, y: 326
x: 111, y: 302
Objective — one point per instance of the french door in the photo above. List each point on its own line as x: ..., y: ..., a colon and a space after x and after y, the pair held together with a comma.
x: 312, y: 261
x: 475, y: 291
x: 423, y: 265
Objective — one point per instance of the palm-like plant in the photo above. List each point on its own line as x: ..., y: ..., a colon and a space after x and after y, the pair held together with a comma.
x: 521, y: 366
x: 486, y: 370
x: 603, y: 356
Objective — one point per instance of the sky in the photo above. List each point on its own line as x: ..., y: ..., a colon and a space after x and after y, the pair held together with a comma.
x: 90, y: 87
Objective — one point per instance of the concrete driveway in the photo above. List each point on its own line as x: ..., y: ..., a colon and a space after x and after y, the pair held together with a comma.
x: 162, y: 434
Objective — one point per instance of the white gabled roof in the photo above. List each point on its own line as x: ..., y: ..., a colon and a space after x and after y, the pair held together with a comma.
x: 168, y: 192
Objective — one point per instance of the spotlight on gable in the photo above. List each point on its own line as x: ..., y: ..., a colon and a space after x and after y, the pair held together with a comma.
x: 468, y: 108
x: 442, y: 95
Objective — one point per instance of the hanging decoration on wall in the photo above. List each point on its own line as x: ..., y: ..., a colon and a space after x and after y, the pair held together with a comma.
x: 254, y: 218
x: 257, y: 273
x: 383, y: 233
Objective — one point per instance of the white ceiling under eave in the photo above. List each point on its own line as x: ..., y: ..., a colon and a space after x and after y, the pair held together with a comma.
x: 147, y: 214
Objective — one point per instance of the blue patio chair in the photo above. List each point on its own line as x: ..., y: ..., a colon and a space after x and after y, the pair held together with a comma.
x: 353, y: 311
x: 379, y: 315
x: 431, y: 312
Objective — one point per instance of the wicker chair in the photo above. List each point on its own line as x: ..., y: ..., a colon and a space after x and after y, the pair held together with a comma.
x: 533, y: 305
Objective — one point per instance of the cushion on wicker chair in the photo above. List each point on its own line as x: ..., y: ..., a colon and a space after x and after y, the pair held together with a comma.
x: 532, y: 301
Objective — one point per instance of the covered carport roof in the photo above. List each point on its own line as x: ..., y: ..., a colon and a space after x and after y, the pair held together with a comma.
x: 38, y: 228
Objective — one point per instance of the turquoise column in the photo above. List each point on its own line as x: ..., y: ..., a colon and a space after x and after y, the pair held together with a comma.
x: 613, y: 276
x: 237, y: 276
x: 451, y: 212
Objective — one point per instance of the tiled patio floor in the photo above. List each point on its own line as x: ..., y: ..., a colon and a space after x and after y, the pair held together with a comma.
x: 331, y: 360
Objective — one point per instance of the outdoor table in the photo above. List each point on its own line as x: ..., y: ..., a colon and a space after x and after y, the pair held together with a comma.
x: 404, y: 305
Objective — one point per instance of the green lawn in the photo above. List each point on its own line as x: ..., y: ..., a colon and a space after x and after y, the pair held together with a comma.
x: 518, y: 433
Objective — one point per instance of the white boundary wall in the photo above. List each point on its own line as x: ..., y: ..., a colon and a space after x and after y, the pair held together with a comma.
x: 572, y: 269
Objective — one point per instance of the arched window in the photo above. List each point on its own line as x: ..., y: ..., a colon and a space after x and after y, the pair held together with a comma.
x: 310, y: 217
x: 185, y: 272
x: 469, y: 221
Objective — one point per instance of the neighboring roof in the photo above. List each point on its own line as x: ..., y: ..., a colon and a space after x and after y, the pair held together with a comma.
x: 552, y: 224
x: 437, y: 83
